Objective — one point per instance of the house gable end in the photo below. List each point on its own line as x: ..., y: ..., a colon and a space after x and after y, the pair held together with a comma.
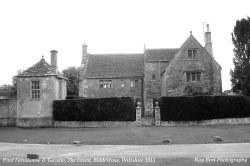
x: 192, y: 61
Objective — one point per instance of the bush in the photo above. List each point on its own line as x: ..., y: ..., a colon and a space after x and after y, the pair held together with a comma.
x: 99, y: 109
x: 204, y: 108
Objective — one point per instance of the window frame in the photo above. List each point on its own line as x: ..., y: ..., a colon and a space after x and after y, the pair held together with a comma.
x: 105, y: 84
x: 193, y: 76
x: 35, y: 90
x: 193, y: 55
x: 134, y: 83
x: 188, y: 76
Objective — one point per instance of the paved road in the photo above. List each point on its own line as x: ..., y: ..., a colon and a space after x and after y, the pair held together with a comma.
x: 235, y: 150
x: 180, y: 150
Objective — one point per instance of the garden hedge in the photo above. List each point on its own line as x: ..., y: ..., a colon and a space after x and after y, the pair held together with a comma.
x: 97, y: 109
x: 199, y: 108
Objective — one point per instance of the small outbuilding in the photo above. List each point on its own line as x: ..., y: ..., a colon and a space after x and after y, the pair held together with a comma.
x: 37, y: 87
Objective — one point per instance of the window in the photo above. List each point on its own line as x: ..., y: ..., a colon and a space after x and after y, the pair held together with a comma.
x: 193, y: 76
x: 134, y: 83
x: 188, y: 77
x: 192, y: 54
x: 35, y: 90
x: 105, y: 83
x: 198, y: 76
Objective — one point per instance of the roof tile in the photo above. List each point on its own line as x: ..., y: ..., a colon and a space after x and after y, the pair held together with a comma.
x: 114, y: 65
x: 160, y: 54
x: 41, y: 68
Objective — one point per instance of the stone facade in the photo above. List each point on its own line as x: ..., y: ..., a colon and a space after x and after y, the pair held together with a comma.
x: 154, y: 63
x: 111, y: 75
x: 174, y: 78
x: 37, y: 87
x: 120, y: 87
x: 153, y: 79
x: 8, y: 111
x: 51, y: 88
x: 162, y: 72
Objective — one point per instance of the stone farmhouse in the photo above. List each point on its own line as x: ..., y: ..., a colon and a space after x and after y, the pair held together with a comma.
x: 188, y: 70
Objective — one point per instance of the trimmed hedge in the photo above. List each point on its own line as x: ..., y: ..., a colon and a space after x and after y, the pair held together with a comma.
x: 97, y: 109
x: 199, y: 108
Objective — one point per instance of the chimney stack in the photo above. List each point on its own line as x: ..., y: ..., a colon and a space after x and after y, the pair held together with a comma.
x: 208, y: 41
x: 84, y: 53
x: 54, y: 59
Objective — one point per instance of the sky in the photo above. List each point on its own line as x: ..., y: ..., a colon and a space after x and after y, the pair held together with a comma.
x: 30, y: 29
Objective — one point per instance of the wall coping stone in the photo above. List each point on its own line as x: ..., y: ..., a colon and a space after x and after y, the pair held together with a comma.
x: 92, y: 124
x: 207, y: 122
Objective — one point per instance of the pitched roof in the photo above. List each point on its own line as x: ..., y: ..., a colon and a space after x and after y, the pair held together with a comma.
x: 160, y: 54
x: 114, y: 65
x: 190, y: 42
x: 41, y: 68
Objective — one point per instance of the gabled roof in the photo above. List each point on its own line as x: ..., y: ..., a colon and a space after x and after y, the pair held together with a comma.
x: 160, y: 54
x: 192, y: 39
x: 41, y: 68
x: 190, y: 43
x: 114, y: 65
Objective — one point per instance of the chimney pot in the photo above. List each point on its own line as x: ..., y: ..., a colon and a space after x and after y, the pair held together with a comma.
x: 54, y: 59
x: 84, y: 52
x: 207, y: 27
x: 208, y: 41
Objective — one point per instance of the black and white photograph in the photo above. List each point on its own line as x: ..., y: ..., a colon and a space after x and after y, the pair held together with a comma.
x: 125, y: 82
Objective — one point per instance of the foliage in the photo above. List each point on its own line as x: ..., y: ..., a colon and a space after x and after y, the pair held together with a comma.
x: 10, y: 90
x: 7, y: 90
x: 198, y: 108
x: 72, y: 73
x: 99, y: 109
x: 240, y: 75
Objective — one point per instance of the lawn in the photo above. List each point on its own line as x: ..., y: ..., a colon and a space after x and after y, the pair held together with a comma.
x: 127, y: 135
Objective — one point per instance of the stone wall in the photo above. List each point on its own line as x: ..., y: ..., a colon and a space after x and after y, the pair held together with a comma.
x: 35, y: 122
x: 217, y: 83
x: 92, y: 89
x: 229, y: 121
x: 152, y: 84
x: 34, y: 112
x: 32, y: 108
x: 8, y: 111
x: 78, y: 124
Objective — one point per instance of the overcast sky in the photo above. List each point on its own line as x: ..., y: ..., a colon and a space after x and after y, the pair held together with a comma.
x: 31, y: 28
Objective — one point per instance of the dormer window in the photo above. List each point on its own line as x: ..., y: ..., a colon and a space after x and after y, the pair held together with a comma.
x: 192, y: 54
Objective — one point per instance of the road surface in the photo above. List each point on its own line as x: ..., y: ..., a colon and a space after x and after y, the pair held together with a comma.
x: 198, y: 153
